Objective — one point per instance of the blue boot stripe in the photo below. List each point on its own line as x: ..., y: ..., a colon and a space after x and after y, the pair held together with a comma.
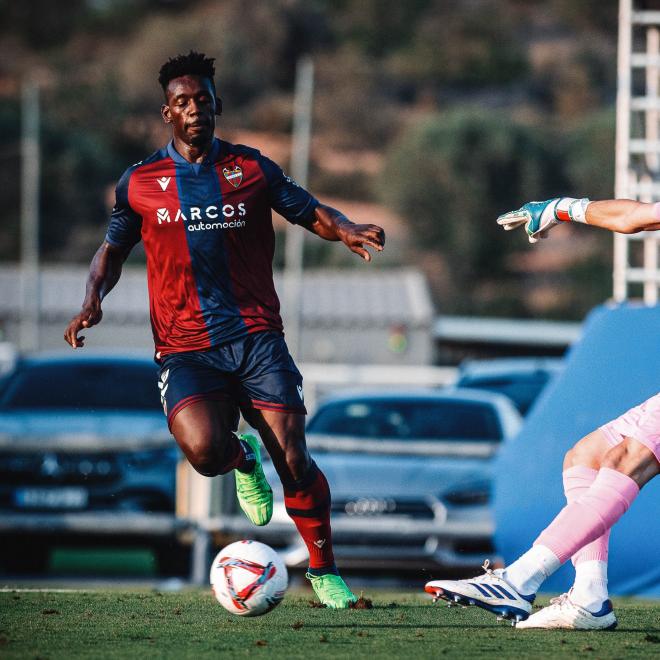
x: 505, y: 592
x: 481, y: 590
x: 494, y: 591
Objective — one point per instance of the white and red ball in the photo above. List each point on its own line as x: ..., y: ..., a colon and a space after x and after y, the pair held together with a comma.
x: 248, y: 578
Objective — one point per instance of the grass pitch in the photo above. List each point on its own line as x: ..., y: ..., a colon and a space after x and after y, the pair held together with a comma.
x: 130, y: 624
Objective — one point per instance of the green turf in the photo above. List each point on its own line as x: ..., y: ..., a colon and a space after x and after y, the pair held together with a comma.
x: 122, y: 624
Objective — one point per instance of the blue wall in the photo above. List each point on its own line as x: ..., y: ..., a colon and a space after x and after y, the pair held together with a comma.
x: 615, y: 366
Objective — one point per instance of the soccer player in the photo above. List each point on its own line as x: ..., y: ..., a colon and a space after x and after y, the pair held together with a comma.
x: 603, y: 473
x: 202, y: 208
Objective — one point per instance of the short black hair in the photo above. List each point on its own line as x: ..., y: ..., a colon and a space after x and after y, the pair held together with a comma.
x: 192, y: 64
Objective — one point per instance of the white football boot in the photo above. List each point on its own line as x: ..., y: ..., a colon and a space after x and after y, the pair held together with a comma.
x: 564, y: 613
x: 489, y: 591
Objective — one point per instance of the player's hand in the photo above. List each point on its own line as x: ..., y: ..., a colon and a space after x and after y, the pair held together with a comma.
x: 356, y: 237
x: 90, y: 315
x: 537, y: 217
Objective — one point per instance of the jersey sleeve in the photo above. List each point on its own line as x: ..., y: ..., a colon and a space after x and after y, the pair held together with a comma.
x: 286, y: 196
x: 125, y: 228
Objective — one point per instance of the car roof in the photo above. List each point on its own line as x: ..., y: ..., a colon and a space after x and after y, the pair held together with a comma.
x: 510, y: 366
x: 87, y: 357
x: 416, y: 394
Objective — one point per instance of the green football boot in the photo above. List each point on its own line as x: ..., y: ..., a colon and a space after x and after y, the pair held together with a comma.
x: 254, y: 493
x: 332, y: 591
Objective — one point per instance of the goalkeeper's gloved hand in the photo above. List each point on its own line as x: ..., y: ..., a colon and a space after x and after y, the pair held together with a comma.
x: 540, y: 217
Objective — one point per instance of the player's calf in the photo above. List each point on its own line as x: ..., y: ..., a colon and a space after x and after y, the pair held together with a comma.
x: 634, y: 459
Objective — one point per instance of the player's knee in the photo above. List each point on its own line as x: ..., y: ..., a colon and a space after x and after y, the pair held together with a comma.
x: 204, y: 462
x: 588, y: 452
x: 571, y: 458
x: 209, y: 453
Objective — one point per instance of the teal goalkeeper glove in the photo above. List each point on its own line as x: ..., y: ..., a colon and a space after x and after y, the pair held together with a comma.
x: 540, y: 217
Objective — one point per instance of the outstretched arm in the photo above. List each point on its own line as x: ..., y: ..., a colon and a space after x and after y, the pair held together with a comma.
x: 333, y: 225
x: 104, y: 273
x: 624, y: 216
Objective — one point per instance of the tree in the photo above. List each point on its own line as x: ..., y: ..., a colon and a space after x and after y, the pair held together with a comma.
x: 451, y: 175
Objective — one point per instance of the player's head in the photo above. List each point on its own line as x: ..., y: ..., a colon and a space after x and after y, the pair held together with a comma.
x: 190, y: 97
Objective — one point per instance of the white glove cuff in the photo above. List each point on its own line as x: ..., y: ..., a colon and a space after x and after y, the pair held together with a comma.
x: 569, y: 209
x: 578, y: 210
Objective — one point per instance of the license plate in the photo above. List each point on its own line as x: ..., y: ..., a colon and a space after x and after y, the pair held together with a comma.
x: 51, y: 498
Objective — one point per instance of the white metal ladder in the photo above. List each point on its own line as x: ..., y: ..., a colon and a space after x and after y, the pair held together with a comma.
x: 637, y: 145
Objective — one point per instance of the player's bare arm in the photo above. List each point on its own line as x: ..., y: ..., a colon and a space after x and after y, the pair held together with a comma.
x: 624, y: 216
x: 333, y: 225
x: 104, y: 273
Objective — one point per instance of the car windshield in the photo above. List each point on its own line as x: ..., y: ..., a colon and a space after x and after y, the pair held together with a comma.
x: 522, y: 389
x: 409, y: 419
x: 120, y: 385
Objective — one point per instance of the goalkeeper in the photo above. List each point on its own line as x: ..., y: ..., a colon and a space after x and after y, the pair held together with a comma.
x: 603, y: 472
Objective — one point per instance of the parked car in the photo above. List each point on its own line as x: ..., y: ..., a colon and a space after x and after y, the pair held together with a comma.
x: 521, y: 379
x: 410, y: 474
x: 80, y: 434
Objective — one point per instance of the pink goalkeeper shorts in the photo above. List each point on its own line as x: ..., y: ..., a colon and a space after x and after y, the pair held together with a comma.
x: 641, y: 423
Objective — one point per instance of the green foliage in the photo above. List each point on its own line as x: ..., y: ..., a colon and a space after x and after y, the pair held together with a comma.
x: 41, y: 23
x: 465, y: 45
x: 380, y: 64
x: 74, y: 190
x: 451, y: 175
x: 588, y: 156
x: 83, y: 152
x: 376, y: 27
x: 45, y: 25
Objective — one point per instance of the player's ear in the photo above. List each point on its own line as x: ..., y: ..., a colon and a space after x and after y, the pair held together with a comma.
x: 218, y: 105
x: 165, y: 113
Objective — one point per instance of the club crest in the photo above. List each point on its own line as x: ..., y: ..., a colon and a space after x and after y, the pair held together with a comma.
x: 234, y: 175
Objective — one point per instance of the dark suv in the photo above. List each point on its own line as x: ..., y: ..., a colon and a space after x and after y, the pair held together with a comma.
x: 520, y: 379
x: 82, y: 437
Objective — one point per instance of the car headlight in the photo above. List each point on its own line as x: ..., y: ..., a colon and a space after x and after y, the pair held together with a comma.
x: 478, y: 492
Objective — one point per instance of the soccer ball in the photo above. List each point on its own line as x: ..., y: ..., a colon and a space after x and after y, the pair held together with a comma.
x: 248, y: 578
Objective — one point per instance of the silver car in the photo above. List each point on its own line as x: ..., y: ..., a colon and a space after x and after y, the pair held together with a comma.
x: 410, y: 474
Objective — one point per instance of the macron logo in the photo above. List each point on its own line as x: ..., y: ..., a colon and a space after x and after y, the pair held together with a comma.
x: 163, y: 182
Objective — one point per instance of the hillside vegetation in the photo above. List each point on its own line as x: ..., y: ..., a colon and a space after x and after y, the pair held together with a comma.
x: 447, y: 112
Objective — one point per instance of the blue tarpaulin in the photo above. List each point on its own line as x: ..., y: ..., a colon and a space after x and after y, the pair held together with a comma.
x: 614, y: 366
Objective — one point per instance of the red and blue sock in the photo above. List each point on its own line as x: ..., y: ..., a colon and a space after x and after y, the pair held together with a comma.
x: 307, y: 502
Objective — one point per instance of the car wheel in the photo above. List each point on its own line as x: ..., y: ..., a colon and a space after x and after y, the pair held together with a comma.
x: 24, y: 558
x: 172, y: 559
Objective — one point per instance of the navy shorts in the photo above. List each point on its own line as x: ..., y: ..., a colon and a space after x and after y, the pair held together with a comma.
x: 255, y: 371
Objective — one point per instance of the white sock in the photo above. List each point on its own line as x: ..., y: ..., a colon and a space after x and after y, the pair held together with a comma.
x: 528, y: 572
x: 590, y: 587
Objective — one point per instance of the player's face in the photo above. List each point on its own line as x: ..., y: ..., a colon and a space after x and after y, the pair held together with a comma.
x: 190, y: 108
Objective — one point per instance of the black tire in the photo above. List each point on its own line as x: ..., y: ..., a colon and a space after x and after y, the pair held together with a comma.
x: 24, y: 558
x: 172, y: 559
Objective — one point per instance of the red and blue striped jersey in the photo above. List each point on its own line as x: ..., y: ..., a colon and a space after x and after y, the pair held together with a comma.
x: 208, y: 236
